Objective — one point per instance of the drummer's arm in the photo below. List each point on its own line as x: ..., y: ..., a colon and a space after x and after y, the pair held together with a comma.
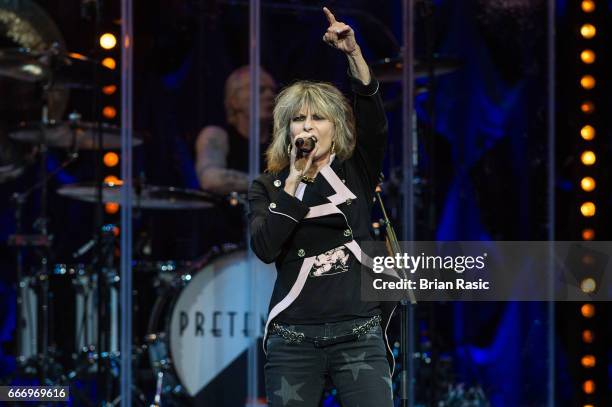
x: 212, y: 147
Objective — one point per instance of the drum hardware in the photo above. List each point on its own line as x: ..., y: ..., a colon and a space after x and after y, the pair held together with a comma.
x: 72, y: 134
x: 66, y: 70
x: 158, y: 389
x: 42, y: 240
x: 54, y: 70
x: 391, y: 69
x: 145, y: 196
x: 14, y: 158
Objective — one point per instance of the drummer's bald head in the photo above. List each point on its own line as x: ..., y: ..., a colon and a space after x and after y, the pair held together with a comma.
x: 239, y: 81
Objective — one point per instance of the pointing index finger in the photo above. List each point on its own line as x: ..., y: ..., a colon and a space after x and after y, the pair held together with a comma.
x: 330, y: 17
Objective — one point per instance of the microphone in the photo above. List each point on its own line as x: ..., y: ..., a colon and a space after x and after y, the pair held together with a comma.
x: 305, y: 145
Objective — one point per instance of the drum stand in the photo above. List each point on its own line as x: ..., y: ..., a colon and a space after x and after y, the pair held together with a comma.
x: 42, y: 241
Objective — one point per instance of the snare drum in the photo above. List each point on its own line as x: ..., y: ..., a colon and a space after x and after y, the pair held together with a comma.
x: 201, y: 326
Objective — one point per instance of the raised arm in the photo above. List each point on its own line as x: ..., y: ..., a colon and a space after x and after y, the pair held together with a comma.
x: 371, y: 121
x: 342, y: 37
x: 212, y: 148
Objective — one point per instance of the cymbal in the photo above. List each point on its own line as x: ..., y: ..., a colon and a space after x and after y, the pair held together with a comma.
x: 63, y: 69
x: 10, y: 172
x: 390, y: 69
x: 148, y: 196
x: 25, y: 24
x: 62, y: 134
x: 14, y: 158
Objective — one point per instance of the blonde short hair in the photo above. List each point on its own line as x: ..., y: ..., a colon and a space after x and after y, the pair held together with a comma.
x: 321, y: 98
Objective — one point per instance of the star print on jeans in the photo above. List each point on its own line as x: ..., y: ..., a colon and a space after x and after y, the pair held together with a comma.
x: 288, y: 392
x: 355, y: 364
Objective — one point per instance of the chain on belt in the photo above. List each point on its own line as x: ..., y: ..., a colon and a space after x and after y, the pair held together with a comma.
x: 295, y: 337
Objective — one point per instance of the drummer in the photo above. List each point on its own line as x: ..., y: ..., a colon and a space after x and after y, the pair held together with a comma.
x: 222, y: 152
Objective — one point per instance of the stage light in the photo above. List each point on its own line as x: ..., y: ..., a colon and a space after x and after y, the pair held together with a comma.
x: 376, y: 225
x: 76, y: 55
x: 588, y: 209
x: 587, y: 107
x: 588, y: 234
x: 588, y: 6
x: 587, y: 82
x: 587, y: 132
x: 587, y: 336
x: 588, y: 184
x: 111, y: 208
x: 588, y: 361
x: 588, y: 386
x: 108, y: 41
x: 111, y: 159
x: 588, y: 31
x: 588, y: 285
x: 109, y: 89
x: 587, y: 310
x: 109, y: 62
x: 109, y: 112
x: 588, y: 157
x: 112, y: 180
x: 116, y: 231
x: 587, y: 56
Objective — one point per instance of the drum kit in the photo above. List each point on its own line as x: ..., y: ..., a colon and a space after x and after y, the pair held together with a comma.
x: 68, y: 314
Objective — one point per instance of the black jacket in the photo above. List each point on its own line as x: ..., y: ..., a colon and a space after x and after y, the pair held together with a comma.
x: 292, y: 233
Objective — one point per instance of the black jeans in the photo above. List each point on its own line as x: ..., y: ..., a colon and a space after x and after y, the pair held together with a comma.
x: 295, y: 372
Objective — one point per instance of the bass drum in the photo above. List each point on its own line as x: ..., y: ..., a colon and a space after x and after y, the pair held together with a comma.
x: 200, y: 328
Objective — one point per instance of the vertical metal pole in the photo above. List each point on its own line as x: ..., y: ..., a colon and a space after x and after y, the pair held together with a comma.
x: 551, y: 199
x: 127, y: 43
x: 407, y: 190
x: 254, y: 154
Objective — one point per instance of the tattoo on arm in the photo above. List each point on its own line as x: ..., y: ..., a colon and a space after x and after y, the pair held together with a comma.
x: 212, y: 147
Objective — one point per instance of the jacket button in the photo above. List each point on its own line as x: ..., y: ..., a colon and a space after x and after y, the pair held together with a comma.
x: 301, y: 253
x: 343, y: 181
x: 277, y: 183
x: 272, y: 205
x: 349, y: 201
x: 347, y: 232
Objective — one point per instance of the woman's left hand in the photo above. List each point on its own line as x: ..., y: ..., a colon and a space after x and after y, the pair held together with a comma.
x: 339, y: 35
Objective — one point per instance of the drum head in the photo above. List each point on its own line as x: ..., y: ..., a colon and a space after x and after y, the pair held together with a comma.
x: 209, y: 321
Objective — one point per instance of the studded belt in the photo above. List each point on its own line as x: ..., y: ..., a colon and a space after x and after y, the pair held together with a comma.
x: 292, y: 336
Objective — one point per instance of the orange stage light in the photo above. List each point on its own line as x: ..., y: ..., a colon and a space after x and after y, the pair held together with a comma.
x: 111, y: 159
x: 587, y: 82
x: 109, y: 112
x: 111, y: 208
x: 588, y: 157
x: 587, y: 310
x: 587, y: 184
